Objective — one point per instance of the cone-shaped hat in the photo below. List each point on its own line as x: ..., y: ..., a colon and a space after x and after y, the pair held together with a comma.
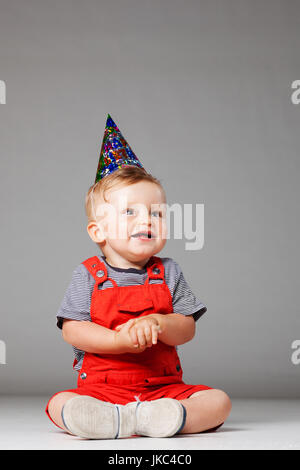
x: 115, y: 151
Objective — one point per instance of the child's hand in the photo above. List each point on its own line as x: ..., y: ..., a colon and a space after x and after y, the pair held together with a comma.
x: 143, y: 331
x: 123, y: 340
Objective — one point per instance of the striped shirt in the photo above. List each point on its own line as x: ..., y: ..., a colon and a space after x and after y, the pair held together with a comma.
x: 77, y: 300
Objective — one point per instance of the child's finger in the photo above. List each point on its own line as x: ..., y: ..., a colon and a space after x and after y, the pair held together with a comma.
x: 125, y: 325
x: 141, y: 336
x: 155, y: 329
x: 148, y: 335
x: 133, y: 336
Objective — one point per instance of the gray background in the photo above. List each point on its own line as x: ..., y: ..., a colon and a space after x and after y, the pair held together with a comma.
x: 202, y: 91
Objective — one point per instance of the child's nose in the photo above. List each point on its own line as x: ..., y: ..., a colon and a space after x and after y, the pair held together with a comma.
x: 144, y: 217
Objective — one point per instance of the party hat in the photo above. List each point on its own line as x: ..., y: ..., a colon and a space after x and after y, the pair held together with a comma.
x: 115, y: 152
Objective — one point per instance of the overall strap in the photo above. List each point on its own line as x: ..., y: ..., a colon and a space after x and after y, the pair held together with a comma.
x: 96, y: 268
x: 155, y: 269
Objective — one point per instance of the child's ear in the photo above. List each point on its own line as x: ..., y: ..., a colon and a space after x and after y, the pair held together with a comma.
x: 95, y: 231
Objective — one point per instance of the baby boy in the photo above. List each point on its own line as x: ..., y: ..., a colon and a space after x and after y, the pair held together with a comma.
x: 125, y: 312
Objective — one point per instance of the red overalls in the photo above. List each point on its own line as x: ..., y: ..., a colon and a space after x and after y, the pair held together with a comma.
x: 122, y: 378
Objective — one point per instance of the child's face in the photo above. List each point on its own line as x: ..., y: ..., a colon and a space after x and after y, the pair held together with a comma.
x: 132, y: 209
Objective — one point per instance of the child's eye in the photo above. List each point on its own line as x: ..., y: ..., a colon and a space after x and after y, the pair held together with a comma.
x: 129, y: 211
x: 157, y: 213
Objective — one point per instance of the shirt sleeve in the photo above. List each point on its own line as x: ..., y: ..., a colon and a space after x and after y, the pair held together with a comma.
x: 184, y: 300
x: 77, y: 300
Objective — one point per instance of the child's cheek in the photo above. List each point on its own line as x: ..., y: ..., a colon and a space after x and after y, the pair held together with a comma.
x: 124, y: 229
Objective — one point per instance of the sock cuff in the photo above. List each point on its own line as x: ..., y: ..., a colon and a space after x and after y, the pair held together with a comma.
x: 183, y: 420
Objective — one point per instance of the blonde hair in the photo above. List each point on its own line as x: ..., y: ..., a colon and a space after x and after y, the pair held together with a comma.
x: 126, y: 175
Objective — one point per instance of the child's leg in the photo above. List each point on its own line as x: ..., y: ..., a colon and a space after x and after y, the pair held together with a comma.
x: 88, y: 417
x: 55, y: 406
x: 205, y: 409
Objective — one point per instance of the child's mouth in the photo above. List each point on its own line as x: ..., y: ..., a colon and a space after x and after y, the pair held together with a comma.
x: 143, y: 236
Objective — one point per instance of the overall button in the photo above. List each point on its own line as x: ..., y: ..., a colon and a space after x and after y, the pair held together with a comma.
x: 94, y: 265
x: 83, y: 375
x: 178, y: 367
x: 100, y: 273
x: 156, y: 270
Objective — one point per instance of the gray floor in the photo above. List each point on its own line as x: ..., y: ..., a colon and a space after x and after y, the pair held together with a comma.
x: 253, y: 424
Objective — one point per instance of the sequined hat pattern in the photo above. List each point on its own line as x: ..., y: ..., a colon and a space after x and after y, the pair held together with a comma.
x: 115, y: 152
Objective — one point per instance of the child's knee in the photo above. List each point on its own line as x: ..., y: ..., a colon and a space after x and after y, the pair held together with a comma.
x: 219, y: 402
x: 56, y: 404
x: 222, y: 403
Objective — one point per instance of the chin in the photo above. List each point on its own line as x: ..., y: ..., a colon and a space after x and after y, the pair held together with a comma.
x: 143, y: 253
